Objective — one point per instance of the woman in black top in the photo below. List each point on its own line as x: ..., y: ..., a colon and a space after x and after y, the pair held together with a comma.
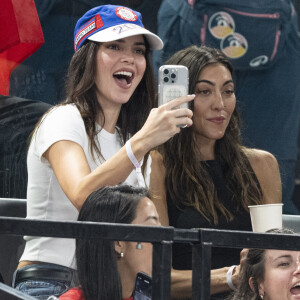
x: 204, y: 177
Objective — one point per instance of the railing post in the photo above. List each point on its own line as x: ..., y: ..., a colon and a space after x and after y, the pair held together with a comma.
x: 201, y: 271
x: 161, y: 270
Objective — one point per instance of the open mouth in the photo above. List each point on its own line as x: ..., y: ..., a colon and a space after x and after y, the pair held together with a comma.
x: 295, y: 290
x: 123, y: 78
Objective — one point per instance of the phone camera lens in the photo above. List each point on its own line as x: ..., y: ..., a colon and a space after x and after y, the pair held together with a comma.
x: 166, y: 71
x: 173, y: 75
x: 166, y: 79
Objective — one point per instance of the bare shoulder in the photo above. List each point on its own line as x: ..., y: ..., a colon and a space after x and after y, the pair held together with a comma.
x: 266, y: 169
x: 157, y: 187
x: 157, y: 161
x: 260, y: 158
x: 156, y: 155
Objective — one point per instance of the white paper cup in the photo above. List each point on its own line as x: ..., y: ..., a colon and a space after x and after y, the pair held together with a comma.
x: 266, y: 216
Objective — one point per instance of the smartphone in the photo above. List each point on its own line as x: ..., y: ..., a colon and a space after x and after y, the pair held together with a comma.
x: 143, y: 287
x: 173, y: 82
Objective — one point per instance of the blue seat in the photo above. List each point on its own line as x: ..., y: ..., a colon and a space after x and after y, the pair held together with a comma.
x: 291, y: 222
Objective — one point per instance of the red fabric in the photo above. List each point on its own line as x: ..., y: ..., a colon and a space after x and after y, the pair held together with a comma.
x: 20, y: 36
x: 72, y: 294
x: 76, y: 294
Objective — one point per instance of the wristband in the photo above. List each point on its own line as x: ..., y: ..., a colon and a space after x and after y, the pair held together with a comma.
x: 137, y: 164
x: 229, y: 278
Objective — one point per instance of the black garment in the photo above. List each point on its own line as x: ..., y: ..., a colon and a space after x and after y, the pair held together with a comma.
x: 17, y: 120
x: 188, y: 218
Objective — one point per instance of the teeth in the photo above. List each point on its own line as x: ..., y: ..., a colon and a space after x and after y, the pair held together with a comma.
x: 298, y: 284
x: 129, y: 74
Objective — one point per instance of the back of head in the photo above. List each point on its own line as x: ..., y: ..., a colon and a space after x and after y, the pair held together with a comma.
x: 96, y: 258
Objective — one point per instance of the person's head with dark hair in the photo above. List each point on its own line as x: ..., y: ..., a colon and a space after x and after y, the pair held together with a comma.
x: 107, y: 269
x: 215, y: 135
x: 95, y: 74
x: 270, y: 274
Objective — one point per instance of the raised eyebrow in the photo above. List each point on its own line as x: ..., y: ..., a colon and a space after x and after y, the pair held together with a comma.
x: 211, y: 83
x: 206, y: 81
x: 137, y: 43
x: 152, y: 217
x: 283, y: 256
x: 140, y: 44
x: 227, y: 82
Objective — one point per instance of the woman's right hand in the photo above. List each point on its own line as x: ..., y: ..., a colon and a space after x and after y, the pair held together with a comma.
x: 236, y: 275
x: 163, y: 123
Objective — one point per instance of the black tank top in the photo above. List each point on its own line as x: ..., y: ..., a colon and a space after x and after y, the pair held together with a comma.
x: 187, y: 218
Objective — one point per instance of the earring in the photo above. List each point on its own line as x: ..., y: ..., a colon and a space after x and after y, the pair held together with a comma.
x: 139, y: 246
x: 122, y: 255
x: 261, y: 296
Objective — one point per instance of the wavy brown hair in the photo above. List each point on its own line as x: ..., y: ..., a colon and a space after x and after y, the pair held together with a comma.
x: 187, y: 181
x: 81, y: 90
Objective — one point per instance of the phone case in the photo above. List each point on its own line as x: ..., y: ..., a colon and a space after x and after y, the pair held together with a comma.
x: 173, y: 82
x: 143, y: 287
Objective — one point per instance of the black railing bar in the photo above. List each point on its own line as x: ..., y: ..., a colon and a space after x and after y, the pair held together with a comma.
x: 196, y: 271
x: 14, y: 293
x: 161, y: 270
x: 244, y: 239
x: 186, y: 235
x: 85, y: 230
x: 205, y: 270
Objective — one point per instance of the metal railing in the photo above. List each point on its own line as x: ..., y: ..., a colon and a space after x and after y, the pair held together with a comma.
x: 162, y: 238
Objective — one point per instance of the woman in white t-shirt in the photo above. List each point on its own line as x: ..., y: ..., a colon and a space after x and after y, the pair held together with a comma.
x: 79, y: 145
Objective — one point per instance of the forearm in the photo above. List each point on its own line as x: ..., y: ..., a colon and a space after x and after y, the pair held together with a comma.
x: 181, y: 283
x: 113, y: 171
x: 77, y: 179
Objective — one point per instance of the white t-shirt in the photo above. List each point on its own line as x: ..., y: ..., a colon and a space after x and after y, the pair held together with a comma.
x: 45, y: 198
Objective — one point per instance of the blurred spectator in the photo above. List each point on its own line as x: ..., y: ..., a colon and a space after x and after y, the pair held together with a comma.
x: 17, y: 119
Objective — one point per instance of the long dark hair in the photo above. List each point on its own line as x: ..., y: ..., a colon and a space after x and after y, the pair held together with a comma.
x: 81, y: 90
x: 254, y: 267
x: 188, y: 182
x: 96, y: 259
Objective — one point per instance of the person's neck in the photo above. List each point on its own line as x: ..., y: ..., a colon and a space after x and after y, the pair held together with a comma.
x: 206, y: 149
x: 111, y: 118
x: 127, y: 280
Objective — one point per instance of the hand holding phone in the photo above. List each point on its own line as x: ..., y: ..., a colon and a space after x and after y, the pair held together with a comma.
x: 173, y: 83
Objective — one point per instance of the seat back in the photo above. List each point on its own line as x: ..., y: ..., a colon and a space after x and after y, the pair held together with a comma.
x: 11, y: 247
x: 291, y: 222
